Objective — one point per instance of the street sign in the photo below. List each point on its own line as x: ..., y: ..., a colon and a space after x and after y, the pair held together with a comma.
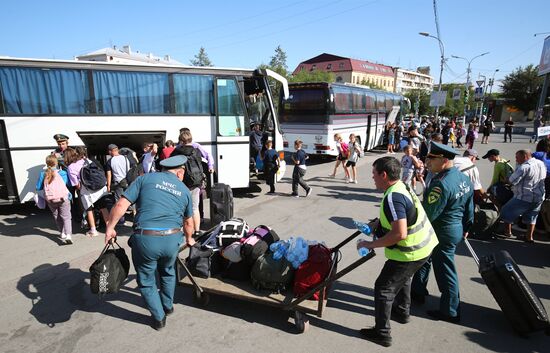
x: 478, y: 93
x: 456, y: 94
x: 437, y: 99
x: 480, y: 83
x: 543, y: 131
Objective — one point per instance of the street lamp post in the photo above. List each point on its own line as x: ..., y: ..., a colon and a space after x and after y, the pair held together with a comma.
x: 442, y: 49
x: 468, y: 71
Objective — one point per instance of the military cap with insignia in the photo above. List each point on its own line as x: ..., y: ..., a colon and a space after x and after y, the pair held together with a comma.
x: 441, y: 150
x: 60, y: 137
x: 174, y: 162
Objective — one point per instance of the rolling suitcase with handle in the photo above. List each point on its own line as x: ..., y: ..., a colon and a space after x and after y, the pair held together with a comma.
x: 221, y: 202
x: 512, y: 291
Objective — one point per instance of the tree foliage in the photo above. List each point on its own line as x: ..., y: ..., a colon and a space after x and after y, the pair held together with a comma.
x: 522, y: 87
x: 422, y: 97
x: 278, y: 62
x: 313, y: 76
x: 201, y: 59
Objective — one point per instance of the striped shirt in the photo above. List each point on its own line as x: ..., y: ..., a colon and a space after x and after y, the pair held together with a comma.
x: 528, y: 181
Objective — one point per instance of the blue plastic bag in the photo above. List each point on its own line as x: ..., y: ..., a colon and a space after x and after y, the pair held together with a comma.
x: 297, y: 251
x: 279, y: 249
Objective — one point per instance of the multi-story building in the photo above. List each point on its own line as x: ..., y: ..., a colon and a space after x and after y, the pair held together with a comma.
x: 406, y: 80
x: 126, y: 56
x: 351, y: 70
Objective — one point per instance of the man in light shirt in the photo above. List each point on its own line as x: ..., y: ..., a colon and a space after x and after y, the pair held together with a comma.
x: 528, y: 186
x: 466, y: 164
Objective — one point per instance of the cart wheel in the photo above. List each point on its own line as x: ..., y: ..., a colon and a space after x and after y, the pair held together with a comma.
x: 301, y: 321
x: 201, y: 298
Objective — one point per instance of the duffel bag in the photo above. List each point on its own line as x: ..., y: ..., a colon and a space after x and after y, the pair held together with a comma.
x: 485, y: 216
x: 266, y: 234
x: 273, y: 275
x: 252, y: 248
x: 109, y: 271
x: 231, y: 231
x: 238, y: 271
x: 312, y: 271
x: 204, y: 262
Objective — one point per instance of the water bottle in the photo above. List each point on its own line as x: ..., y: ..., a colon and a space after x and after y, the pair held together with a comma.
x: 362, y: 250
x: 363, y: 227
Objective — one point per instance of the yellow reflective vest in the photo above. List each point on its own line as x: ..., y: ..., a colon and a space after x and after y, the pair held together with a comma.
x: 421, y: 238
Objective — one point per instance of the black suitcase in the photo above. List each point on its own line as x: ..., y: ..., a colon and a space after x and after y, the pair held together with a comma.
x: 512, y: 291
x: 221, y: 203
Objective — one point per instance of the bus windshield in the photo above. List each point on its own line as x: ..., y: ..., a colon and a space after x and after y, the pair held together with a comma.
x: 305, y: 106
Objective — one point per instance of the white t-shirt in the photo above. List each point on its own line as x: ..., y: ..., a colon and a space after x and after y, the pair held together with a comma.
x: 119, y: 166
x: 148, y: 160
x: 472, y: 172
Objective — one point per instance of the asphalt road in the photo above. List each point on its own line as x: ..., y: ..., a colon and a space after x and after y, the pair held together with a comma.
x: 46, y: 304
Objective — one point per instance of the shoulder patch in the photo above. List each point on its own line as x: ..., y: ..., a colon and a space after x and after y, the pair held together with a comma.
x: 434, y: 195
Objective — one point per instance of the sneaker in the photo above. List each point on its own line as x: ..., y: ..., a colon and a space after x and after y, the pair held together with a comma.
x: 371, y: 334
x: 308, y: 192
x: 294, y: 195
x: 355, y: 181
x: 91, y: 233
x: 438, y: 315
x: 63, y: 236
x: 347, y: 181
x: 400, y: 318
x: 68, y: 239
x: 159, y: 325
x: 331, y: 175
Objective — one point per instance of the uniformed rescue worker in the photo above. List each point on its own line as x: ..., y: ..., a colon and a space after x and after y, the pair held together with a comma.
x: 162, y: 203
x: 448, y: 201
x: 62, y: 144
x: 408, y: 238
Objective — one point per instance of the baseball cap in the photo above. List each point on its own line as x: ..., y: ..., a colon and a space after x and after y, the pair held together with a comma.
x: 471, y: 152
x: 491, y: 152
x: 112, y: 146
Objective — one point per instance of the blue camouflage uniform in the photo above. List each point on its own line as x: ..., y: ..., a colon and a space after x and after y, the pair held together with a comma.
x: 162, y: 202
x: 448, y: 202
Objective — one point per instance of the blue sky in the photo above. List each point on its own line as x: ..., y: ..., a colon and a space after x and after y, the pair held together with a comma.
x: 245, y: 33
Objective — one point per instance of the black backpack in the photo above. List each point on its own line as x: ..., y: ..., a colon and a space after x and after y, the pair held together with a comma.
x: 92, y: 176
x: 109, y: 271
x: 194, y: 174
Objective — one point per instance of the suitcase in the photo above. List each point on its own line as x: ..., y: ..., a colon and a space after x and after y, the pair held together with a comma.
x: 221, y: 203
x: 512, y: 291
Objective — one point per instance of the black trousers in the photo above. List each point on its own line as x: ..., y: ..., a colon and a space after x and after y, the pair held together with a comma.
x: 392, y: 289
x: 298, y: 178
x: 507, y: 133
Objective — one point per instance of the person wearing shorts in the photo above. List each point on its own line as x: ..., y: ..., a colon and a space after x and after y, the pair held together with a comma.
x: 354, y: 149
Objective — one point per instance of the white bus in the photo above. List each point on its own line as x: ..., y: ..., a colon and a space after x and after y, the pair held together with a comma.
x: 96, y: 104
x: 314, y: 112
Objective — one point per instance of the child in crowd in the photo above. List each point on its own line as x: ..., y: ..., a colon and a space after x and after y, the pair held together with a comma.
x: 408, y: 164
x: 58, y: 198
x: 342, y: 148
x: 271, y: 165
x: 391, y: 138
x: 354, y: 154
x: 299, y: 158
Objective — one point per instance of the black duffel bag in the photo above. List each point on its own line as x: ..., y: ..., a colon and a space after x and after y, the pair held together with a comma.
x: 204, y: 262
x: 109, y: 271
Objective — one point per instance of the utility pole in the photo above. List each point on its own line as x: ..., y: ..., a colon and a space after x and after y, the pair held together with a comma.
x: 482, y: 96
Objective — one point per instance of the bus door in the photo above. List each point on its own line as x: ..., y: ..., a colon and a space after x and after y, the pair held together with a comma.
x: 232, y: 137
x: 371, y: 132
x: 380, y: 127
x: 8, y: 192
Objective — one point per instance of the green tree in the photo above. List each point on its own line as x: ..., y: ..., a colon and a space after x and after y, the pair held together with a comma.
x: 372, y: 85
x: 278, y: 62
x: 522, y: 87
x: 201, y: 59
x: 313, y: 76
x: 422, y: 97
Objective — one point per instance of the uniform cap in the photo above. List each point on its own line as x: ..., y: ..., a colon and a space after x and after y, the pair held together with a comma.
x: 60, y: 137
x: 471, y: 152
x: 112, y: 146
x: 490, y: 153
x: 441, y: 150
x: 174, y: 162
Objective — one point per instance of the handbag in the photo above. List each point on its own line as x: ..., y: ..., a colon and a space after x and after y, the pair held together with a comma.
x: 109, y: 271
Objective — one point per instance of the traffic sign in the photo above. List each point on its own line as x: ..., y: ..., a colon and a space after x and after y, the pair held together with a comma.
x: 480, y: 83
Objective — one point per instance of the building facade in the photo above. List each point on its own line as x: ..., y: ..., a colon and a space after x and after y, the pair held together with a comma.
x: 406, y: 80
x: 351, y: 70
x: 126, y: 56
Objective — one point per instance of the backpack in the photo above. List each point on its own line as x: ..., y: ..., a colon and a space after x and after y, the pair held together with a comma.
x: 509, y: 169
x: 231, y: 231
x: 312, y: 271
x: 92, y: 176
x: 194, y: 175
x: 266, y: 234
x: 109, y: 271
x: 252, y: 248
x: 56, y: 190
x: 345, y: 149
x: 268, y: 273
x: 485, y: 216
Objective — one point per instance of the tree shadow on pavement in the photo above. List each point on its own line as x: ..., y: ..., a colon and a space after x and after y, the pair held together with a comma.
x: 56, y: 292
x: 30, y: 222
x: 346, y: 222
x: 525, y: 254
x: 350, y: 193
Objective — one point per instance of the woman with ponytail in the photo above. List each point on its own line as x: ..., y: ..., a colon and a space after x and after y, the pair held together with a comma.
x: 58, y: 198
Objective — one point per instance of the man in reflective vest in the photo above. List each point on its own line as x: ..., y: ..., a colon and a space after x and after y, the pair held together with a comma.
x: 448, y: 201
x: 408, y: 238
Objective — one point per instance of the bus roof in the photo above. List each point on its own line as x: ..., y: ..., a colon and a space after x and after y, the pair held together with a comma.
x: 332, y: 84
x: 78, y: 64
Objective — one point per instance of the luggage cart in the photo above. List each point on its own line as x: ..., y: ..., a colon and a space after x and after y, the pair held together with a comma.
x: 301, y: 306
